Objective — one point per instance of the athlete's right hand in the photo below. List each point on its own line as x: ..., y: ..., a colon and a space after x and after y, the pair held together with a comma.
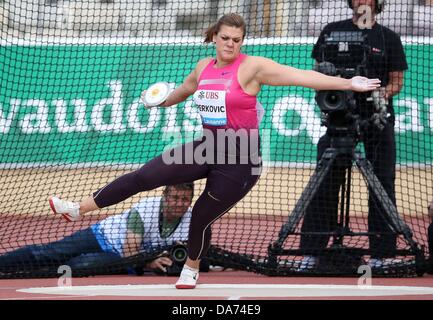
x: 144, y: 103
x: 363, y: 84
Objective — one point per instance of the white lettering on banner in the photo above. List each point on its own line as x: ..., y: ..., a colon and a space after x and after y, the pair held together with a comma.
x: 79, y: 124
x: 115, y: 101
x: 36, y: 121
x: 170, y: 117
x: 80, y: 115
x: 133, y: 119
x: 410, y: 120
x: 192, y: 121
x: 192, y: 130
x: 429, y: 102
x: 309, y: 120
x: 32, y: 116
x: 5, y: 122
x: 61, y: 111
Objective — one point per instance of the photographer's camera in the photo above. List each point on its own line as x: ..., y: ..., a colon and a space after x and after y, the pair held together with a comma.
x: 178, y: 255
x: 333, y: 100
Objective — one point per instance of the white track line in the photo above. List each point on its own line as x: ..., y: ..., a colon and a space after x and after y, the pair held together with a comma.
x: 45, y: 298
x: 234, y: 290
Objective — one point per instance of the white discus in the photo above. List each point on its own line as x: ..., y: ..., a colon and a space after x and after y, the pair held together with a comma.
x: 156, y: 94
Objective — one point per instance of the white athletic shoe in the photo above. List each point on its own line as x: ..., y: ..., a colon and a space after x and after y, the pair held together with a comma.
x: 68, y: 209
x: 188, y: 278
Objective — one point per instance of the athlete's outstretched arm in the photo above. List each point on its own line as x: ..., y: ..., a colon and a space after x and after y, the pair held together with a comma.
x: 182, y: 92
x: 187, y: 88
x: 272, y: 73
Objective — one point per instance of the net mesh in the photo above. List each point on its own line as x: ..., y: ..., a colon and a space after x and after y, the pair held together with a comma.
x: 71, y: 121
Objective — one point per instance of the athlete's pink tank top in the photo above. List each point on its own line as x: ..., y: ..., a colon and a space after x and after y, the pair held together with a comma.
x: 222, y: 102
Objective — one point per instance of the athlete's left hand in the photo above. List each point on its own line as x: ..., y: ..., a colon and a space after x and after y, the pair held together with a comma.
x: 363, y: 84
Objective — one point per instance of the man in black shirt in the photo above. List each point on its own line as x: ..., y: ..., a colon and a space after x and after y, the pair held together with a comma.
x: 387, y: 62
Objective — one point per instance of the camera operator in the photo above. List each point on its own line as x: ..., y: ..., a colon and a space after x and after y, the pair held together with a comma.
x: 386, y: 61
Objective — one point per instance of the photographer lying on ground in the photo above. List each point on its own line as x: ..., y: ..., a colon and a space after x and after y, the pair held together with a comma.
x: 153, y: 223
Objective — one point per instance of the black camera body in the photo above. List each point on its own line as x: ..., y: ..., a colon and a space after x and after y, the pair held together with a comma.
x: 344, y: 54
x: 178, y: 255
x: 335, y: 100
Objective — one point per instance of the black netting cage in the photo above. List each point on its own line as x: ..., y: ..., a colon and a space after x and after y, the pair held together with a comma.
x: 346, y: 178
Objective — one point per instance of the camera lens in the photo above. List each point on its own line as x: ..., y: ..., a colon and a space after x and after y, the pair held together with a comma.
x: 333, y: 99
x: 179, y: 254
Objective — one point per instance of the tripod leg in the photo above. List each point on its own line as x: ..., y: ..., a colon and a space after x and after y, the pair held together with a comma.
x: 322, y: 169
x: 397, y: 224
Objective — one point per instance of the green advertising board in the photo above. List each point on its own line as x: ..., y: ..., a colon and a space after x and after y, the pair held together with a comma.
x: 79, y: 104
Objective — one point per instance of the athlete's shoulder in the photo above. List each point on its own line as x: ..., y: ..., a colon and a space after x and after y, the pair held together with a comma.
x: 204, y: 62
x: 201, y: 65
x: 256, y: 59
x: 257, y: 62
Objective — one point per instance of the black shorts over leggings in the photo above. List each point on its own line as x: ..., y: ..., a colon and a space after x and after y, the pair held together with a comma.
x: 226, y: 185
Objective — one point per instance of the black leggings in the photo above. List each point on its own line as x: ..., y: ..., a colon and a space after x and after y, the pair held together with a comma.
x: 226, y: 185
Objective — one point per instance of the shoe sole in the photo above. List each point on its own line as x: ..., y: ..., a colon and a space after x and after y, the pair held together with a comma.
x: 185, y: 286
x: 55, y: 212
